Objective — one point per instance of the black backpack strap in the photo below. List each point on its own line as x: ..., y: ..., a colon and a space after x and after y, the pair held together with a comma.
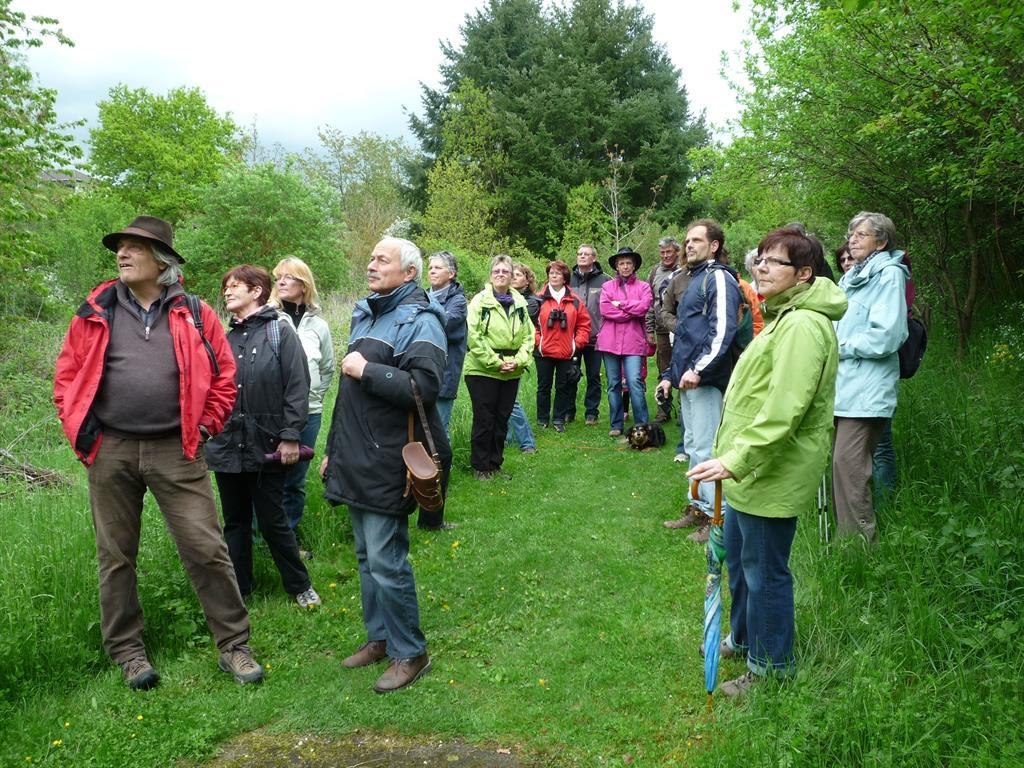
x: 197, y: 317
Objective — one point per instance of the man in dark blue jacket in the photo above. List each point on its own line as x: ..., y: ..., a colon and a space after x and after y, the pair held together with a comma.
x: 702, y: 359
x: 397, y: 338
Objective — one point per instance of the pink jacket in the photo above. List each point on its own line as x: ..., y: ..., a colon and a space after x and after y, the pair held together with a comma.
x: 622, y: 327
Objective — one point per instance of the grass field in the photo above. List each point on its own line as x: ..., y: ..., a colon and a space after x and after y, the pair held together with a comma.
x: 563, y: 619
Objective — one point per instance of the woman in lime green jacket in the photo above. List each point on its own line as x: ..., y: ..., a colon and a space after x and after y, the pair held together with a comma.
x: 772, y: 447
x: 500, y: 343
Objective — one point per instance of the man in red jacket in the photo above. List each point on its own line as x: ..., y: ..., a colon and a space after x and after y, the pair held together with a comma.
x: 141, y: 381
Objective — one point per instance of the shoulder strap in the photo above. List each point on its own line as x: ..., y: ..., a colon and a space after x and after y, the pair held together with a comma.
x: 274, y: 336
x: 197, y: 317
x: 423, y: 419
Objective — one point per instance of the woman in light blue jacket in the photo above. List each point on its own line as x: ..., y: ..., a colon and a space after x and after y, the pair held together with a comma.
x: 870, y: 335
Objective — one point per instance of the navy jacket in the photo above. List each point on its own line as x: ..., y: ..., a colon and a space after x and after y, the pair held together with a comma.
x: 401, y: 335
x: 706, y: 321
x: 453, y: 301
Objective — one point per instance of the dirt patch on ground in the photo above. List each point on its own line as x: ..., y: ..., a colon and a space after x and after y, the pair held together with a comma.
x: 358, y: 750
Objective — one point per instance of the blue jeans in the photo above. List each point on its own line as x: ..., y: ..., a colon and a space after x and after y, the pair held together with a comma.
x: 615, y: 368
x: 701, y: 410
x: 295, y: 476
x: 390, y: 608
x: 444, y: 410
x: 884, y: 463
x: 762, y: 616
x: 519, y: 431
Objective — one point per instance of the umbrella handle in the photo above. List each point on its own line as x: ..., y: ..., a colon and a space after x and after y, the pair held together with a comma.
x: 694, y: 493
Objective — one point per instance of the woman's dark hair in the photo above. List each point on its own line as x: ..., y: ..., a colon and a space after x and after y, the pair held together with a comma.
x: 801, y: 249
x: 254, y: 277
x: 561, y: 267
x: 839, y: 252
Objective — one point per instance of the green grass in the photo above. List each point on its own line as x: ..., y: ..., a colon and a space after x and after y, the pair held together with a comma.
x: 563, y: 619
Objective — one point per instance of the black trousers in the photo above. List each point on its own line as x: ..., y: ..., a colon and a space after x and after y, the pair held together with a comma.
x: 593, y: 362
x: 549, y: 368
x: 262, y: 492
x: 492, y: 401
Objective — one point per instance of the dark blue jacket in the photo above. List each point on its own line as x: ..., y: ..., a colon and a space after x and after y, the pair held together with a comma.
x: 706, y: 321
x: 453, y: 301
x: 401, y: 335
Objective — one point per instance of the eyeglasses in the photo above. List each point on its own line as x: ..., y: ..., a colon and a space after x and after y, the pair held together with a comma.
x: 851, y: 236
x: 293, y: 278
x: 845, y: 259
x: 771, y: 261
x: 501, y: 272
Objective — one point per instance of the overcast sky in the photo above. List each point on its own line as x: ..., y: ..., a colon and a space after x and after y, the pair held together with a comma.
x: 292, y: 67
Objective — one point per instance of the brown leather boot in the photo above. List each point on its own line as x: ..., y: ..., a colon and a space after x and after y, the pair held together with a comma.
x: 691, y: 516
x: 369, y: 653
x: 401, y: 673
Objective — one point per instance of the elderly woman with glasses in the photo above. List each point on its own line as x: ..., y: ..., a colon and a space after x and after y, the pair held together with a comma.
x: 500, y: 343
x: 870, y: 335
x: 772, y: 447
x: 294, y: 294
x: 442, y: 271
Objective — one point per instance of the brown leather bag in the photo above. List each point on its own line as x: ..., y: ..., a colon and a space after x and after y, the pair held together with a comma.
x: 422, y: 469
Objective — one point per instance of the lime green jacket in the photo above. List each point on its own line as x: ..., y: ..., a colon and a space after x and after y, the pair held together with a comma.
x: 776, y: 429
x: 495, y: 336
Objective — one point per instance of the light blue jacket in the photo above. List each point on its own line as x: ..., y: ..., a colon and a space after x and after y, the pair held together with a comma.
x: 870, y: 333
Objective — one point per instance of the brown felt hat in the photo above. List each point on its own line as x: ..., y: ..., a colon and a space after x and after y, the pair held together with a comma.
x: 148, y: 228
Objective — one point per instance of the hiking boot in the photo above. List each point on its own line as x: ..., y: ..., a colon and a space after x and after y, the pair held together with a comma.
x: 139, y: 673
x: 614, y: 433
x: 591, y: 421
x: 739, y: 686
x: 445, y: 526
x: 681, y: 458
x: 483, y: 474
x: 701, y: 535
x: 691, y: 516
x: 308, y: 599
x: 402, y: 672
x: 530, y: 450
x: 305, y: 554
x: 368, y: 653
x: 239, y: 663
x: 559, y: 427
x: 725, y: 651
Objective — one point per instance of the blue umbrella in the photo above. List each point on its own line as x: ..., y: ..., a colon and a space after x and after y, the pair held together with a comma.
x: 715, y: 551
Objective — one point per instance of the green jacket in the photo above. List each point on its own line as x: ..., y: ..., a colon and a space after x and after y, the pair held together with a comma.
x: 495, y: 336
x: 776, y: 430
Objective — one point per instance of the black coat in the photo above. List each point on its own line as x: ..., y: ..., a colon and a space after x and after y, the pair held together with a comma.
x: 272, y: 395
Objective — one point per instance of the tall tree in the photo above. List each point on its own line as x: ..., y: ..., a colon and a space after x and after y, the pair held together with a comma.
x: 31, y: 141
x: 160, y: 152
x: 563, y: 86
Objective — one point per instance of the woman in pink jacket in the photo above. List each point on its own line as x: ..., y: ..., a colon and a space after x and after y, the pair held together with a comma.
x: 622, y: 338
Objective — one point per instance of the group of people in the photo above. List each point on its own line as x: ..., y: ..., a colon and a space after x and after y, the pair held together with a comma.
x: 152, y: 393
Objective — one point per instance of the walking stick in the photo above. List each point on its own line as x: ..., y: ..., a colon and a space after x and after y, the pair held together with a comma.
x: 823, y: 521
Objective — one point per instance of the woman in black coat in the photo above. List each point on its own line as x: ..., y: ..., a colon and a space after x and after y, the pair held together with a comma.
x: 270, y: 411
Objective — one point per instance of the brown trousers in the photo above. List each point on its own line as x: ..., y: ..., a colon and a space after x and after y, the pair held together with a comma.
x: 118, y: 479
x: 664, y: 352
x: 852, y: 449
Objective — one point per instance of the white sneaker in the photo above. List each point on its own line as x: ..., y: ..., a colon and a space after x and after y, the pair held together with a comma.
x: 680, y: 458
x: 308, y: 599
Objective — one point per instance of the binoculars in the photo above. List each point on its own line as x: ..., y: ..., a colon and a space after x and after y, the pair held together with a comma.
x: 558, y: 316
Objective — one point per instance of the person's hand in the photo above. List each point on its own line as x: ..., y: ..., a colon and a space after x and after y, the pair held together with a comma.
x: 323, y: 468
x: 665, y: 388
x: 352, y: 365
x: 650, y: 338
x: 507, y: 366
x: 616, y: 303
x: 709, y: 470
x: 289, y: 451
x: 690, y: 380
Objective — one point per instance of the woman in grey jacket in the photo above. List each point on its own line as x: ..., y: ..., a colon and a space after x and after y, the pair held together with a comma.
x: 295, y: 295
x: 272, y: 388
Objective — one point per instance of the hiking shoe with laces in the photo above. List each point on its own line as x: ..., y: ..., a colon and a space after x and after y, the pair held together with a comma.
x: 691, y: 516
x: 725, y: 651
x: 529, y: 450
x: 308, y: 599
x: 614, y: 433
x: 680, y: 458
x: 139, y: 674
x: 739, y: 686
x: 366, y: 654
x: 559, y: 426
x: 239, y: 663
x: 701, y: 535
x: 402, y: 672
x: 590, y: 421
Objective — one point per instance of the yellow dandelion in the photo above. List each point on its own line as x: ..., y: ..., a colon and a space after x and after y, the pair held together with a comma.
x: 267, y: 666
x: 451, y: 682
x: 67, y: 724
x: 542, y: 681
x: 333, y: 585
x: 455, y: 544
x: 138, y: 717
x: 57, y: 742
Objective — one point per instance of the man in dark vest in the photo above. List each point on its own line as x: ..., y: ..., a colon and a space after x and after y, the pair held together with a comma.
x: 142, y: 380
x: 586, y: 281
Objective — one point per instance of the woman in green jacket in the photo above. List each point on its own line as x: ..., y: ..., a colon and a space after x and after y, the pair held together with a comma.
x: 773, y: 446
x: 500, y: 343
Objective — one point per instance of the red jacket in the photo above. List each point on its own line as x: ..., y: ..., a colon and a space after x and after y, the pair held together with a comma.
x: 205, y: 398
x: 551, y: 339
